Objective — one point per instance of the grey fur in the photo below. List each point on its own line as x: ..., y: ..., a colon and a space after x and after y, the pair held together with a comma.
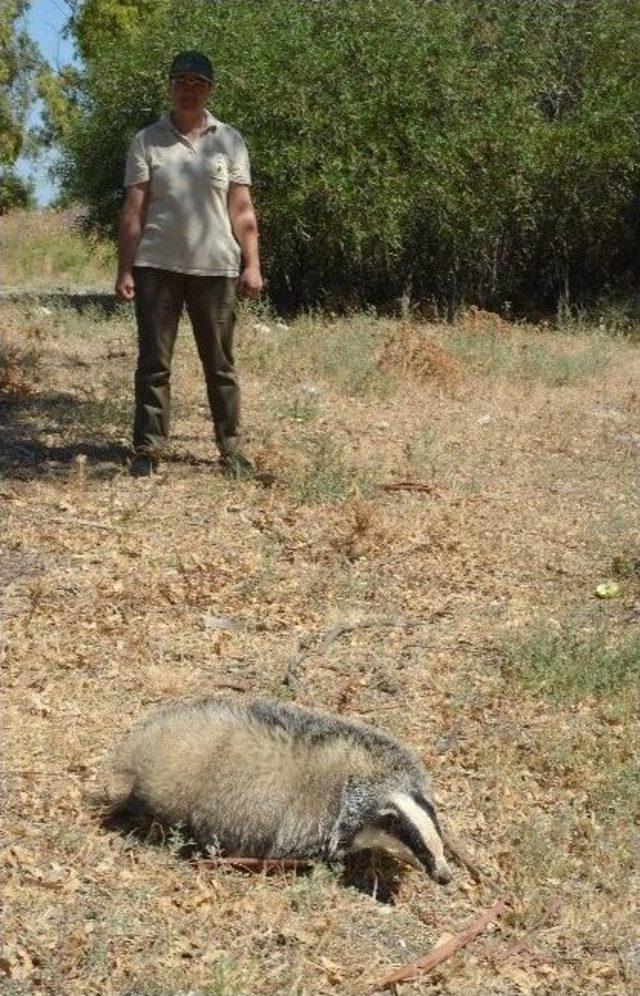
x: 264, y: 779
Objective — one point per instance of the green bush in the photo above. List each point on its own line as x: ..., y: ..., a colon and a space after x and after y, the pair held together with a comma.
x: 14, y: 192
x: 448, y: 151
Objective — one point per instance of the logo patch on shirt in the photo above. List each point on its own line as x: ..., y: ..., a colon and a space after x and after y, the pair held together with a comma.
x: 218, y: 170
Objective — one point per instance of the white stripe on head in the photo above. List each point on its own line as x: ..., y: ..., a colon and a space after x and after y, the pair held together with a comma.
x: 425, y: 826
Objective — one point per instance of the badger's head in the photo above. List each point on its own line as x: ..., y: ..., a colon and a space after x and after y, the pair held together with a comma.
x: 401, y: 822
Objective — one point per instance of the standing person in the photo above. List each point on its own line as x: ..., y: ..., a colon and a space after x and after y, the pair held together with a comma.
x: 188, y: 236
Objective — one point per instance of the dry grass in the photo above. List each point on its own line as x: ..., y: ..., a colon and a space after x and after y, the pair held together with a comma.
x: 485, y: 648
x: 46, y: 248
x: 410, y: 352
x: 19, y: 361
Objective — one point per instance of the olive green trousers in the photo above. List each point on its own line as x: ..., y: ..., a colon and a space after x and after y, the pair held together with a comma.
x: 160, y: 296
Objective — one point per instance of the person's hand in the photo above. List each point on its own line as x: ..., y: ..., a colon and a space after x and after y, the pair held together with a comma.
x: 125, y: 287
x: 250, y: 282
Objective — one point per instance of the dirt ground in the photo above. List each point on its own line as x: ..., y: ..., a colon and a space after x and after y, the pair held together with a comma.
x: 446, y: 501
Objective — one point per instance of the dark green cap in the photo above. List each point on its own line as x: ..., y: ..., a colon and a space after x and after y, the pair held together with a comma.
x: 192, y: 62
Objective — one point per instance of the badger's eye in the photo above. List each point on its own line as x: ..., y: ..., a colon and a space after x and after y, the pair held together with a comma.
x: 387, y: 819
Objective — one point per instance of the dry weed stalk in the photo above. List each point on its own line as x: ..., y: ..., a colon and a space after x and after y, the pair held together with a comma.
x: 360, y: 532
x: 19, y: 366
x: 268, y: 866
x: 478, y: 320
x: 410, y: 352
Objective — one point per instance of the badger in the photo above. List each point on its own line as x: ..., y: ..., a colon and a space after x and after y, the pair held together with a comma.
x: 266, y: 779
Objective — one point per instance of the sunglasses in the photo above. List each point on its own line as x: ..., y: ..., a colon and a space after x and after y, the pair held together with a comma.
x: 190, y: 80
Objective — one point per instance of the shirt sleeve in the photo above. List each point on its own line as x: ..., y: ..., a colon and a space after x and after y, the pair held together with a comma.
x: 137, y: 167
x: 239, y: 167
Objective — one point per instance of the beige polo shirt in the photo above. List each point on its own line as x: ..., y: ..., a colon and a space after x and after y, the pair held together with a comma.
x: 187, y: 226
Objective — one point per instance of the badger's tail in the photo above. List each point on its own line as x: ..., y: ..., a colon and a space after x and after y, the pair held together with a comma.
x: 116, y: 804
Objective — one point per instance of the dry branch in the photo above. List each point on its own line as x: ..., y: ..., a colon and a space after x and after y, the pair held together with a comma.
x: 462, y: 858
x: 268, y: 865
x: 83, y: 523
x: 233, y: 684
x: 305, y: 649
x: 519, y: 947
x: 411, y: 970
x: 68, y: 520
x: 428, y: 487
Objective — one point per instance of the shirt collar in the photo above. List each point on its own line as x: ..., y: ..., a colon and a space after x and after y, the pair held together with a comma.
x: 211, y: 122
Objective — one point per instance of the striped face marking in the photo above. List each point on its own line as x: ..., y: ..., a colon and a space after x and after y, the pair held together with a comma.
x: 408, y: 829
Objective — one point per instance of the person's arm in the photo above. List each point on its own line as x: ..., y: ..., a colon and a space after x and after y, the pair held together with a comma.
x: 131, y: 225
x: 245, y: 228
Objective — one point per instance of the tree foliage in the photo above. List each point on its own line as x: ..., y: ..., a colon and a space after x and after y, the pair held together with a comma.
x: 454, y: 150
x: 18, y: 63
x: 97, y: 23
x: 15, y: 192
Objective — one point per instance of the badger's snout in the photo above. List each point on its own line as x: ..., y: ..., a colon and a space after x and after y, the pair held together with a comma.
x: 442, y: 875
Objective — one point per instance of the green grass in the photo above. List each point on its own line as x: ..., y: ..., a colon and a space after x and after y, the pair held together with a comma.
x: 308, y: 892
x: 546, y: 365
x: 425, y: 452
x: 612, y: 316
x: 70, y: 325
x: 314, y: 349
x: 529, y: 358
x: 299, y: 409
x: 574, y: 663
x: 231, y: 977
x: 322, y: 473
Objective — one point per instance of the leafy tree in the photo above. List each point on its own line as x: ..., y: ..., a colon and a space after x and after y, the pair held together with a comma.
x: 15, y: 192
x: 18, y: 64
x: 96, y: 23
x: 454, y: 150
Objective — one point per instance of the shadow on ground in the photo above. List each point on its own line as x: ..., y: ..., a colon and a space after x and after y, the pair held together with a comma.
x: 101, y: 302
x: 26, y: 422
x: 375, y: 875
x: 90, y: 427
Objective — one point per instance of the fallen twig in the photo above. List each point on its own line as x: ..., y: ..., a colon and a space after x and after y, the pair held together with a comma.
x: 72, y: 521
x: 268, y: 865
x: 305, y: 648
x: 234, y: 684
x: 411, y: 970
x: 341, y: 629
x: 84, y: 523
x: 461, y: 857
x: 521, y: 947
x: 427, y: 487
